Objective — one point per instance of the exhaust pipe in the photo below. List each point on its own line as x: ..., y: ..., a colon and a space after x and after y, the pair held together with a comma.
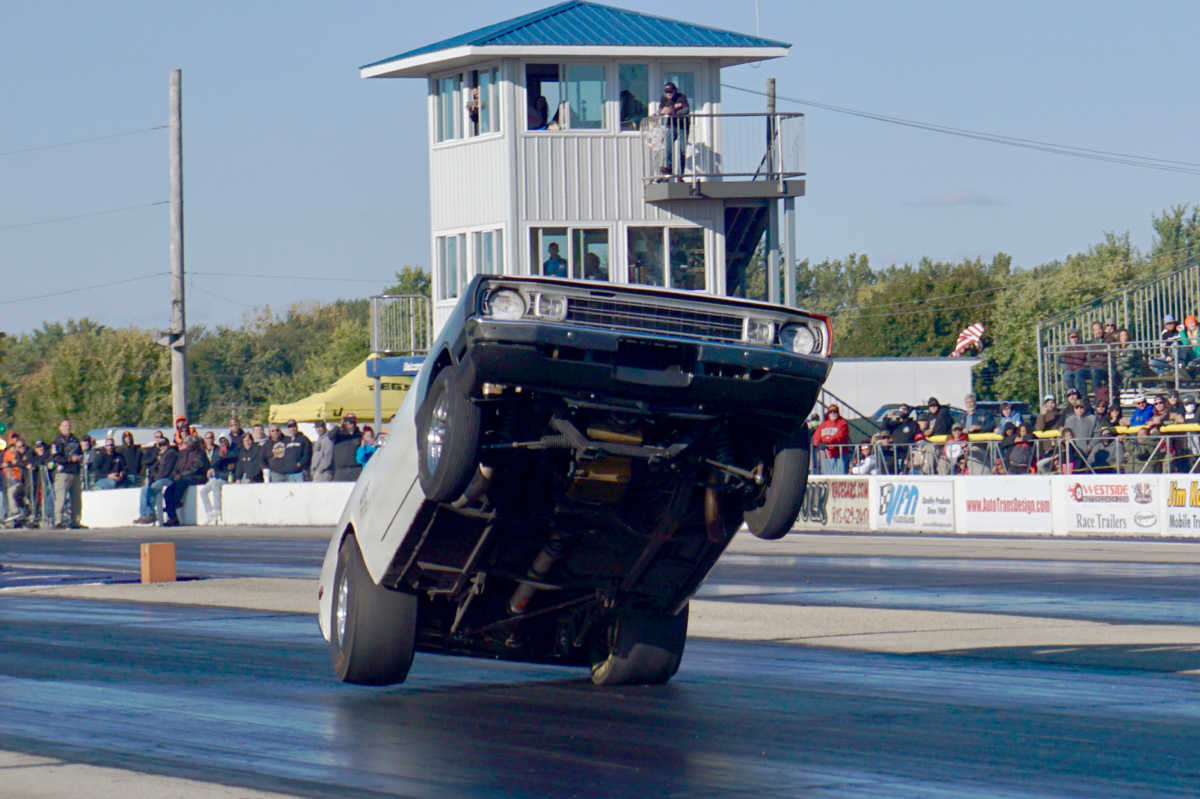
x: 553, y: 550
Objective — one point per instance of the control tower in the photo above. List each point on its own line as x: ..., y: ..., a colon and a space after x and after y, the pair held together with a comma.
x: 554, y: 149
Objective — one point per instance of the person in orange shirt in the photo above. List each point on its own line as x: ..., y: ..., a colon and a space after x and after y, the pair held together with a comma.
x: 10, y: 467
x: 183, y: 430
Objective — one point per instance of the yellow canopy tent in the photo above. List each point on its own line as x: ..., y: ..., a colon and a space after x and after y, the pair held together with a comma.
x: 352, y: 393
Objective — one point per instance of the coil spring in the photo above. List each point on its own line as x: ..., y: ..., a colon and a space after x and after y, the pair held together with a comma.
x: 724, y: 447
x: 506, y: 424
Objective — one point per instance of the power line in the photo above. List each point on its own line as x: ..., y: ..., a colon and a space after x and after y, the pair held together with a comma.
x: 1146, y: 162
x: 83, y: 216
x: 83, y: 288
x: 1167, y: 268
x: 83, y: 141
x: 193, y: 285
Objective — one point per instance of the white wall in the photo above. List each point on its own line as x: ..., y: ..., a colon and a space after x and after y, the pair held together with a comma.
x: 869, y: 383
x: 259, y: 504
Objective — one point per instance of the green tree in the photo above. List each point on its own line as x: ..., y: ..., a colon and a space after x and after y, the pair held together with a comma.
x: 411, y: 280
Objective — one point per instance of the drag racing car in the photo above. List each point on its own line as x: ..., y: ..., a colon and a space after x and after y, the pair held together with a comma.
x: 569, y: 464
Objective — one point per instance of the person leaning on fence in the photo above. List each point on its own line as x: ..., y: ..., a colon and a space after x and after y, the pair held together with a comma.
x: 864, y: 461
x: 1142, y: 411
x: 1144, y: 453
x: 953, y: 455
x: 157, y: 480
x: 673, y: 106
x: 830, y: 438
x: 109, y: 467
x: 1071, y: 457
x: 1051, y: 417
x: 1085, y: 429
x: 13, y: 466
x: 1106, y: 453
x: 1074, y: 363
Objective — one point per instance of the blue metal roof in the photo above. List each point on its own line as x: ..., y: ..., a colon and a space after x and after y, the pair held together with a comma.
x: 578, y: 23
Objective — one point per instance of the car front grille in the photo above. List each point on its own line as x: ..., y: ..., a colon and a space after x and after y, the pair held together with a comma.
x: 640, y: 317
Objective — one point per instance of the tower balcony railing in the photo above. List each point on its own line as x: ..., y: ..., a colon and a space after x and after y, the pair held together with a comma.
x: 723, y: 155
x: 401, y: 324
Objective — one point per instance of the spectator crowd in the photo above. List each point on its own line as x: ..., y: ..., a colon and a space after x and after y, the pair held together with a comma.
x: 43, y: 484
x: 1082, y: 436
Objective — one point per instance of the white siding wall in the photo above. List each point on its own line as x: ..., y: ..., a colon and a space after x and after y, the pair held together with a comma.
x: 469, y: 184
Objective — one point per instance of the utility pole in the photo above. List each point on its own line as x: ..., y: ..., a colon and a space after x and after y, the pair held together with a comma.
x: 772, y: 205
x: 176, y: 336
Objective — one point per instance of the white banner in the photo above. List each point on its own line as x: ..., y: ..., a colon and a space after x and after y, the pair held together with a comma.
x: 1007, y: 504
x: 836, y: 503
x: 913, y: 505
x: 1112, y: 505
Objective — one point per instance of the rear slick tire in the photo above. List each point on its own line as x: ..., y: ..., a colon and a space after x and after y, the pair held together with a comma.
x: 645, y: 649
x: 373, y: 630
x: 448, y: 427
x: 785, y: 493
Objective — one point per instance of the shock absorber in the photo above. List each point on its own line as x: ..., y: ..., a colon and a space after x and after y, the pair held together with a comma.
x: 723, y: 446
x: 506, y: 423
x: 550, y: 553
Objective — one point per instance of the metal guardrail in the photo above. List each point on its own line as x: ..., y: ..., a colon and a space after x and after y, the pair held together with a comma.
x: 29, y: 502
x: 696, y: 147
x: 1142, y: 453
x: 1138, y: 307
x: 401, y: 324
x: 1125, y: 369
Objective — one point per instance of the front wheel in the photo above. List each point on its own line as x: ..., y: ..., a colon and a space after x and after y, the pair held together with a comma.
x: 374, y: 629
x: 641, y: 648
x: 787, y: 479
x: 448, y: 425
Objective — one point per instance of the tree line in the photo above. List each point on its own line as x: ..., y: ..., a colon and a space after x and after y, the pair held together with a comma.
x: 100, y: 376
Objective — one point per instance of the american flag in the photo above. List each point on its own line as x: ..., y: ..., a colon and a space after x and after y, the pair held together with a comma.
x: 971, y: 337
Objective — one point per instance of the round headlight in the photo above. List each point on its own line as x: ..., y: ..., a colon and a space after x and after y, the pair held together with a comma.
x: 506, y: 305
x: 800, y: 339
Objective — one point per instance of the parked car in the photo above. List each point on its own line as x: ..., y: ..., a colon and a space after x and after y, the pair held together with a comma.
x: 567, y: 467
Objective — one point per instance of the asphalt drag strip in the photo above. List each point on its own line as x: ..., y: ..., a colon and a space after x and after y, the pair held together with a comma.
x: 245, y: 699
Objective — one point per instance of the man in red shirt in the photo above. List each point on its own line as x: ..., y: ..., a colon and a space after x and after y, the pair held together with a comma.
x: 830, y: 437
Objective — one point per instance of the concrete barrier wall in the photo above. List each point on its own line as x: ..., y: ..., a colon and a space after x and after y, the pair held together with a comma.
x: 260, y: 504
x: 1127, y: 504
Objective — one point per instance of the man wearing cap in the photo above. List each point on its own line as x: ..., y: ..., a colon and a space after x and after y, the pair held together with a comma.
x: 346, y: 440
x: 322, y: 455
x: 940, y: 420
x: 1142, y: 412
x: 1050, y: 418
x: 1168, y: 340
x: 299, y: 442
x: 158, y: 478
x: 830, y: 437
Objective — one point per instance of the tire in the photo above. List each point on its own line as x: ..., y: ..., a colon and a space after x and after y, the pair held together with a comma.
x: 643, y: 649
x: 784, y: 493
x: 373, y: 629
x: 448, y: 425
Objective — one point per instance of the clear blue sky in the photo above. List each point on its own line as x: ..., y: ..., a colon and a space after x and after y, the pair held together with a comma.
x: 297, y: 168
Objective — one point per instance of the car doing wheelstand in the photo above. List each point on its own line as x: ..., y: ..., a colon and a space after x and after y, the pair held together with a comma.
x: 565, y: 471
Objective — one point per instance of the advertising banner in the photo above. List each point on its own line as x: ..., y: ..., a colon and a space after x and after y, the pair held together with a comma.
x: 836, y: 504
x: 912, y: 505
x: 1183, y: 505
x: 1008, y: 505
x: 1113, y: 505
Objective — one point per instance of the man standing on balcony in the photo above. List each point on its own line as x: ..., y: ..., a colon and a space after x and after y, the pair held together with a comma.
x: 674, y: 106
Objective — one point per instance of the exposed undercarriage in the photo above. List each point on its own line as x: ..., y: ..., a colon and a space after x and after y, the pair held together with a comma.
x: 581, y: 512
